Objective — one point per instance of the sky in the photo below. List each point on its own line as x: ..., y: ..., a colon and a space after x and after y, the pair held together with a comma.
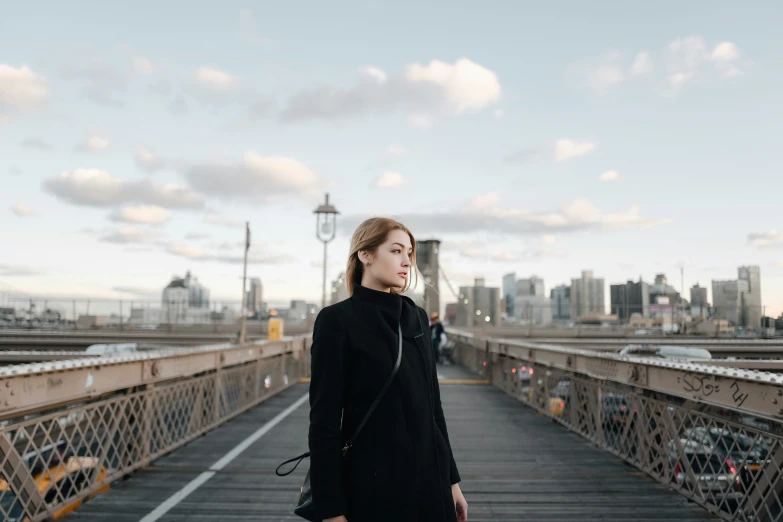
x: 136, y: 140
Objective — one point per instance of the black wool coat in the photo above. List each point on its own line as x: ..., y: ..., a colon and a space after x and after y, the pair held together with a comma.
x: 401, y: 466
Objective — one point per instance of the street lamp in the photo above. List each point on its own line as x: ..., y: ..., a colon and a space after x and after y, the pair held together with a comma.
x: 325, y: 230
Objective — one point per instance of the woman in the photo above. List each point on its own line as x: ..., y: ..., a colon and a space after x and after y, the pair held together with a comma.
x: 400, y: 468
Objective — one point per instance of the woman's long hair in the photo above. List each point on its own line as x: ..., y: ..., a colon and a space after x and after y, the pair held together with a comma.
x: 369, y: 235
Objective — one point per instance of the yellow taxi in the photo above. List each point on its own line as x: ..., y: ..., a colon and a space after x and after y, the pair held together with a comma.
x: 65, y: 478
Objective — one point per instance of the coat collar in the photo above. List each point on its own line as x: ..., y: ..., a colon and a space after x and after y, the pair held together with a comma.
x: 394, y: 307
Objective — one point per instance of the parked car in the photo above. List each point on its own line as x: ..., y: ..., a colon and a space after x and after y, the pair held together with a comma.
x: 748, y: 458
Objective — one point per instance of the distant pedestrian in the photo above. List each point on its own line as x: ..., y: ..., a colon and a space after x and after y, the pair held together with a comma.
x: 436, y: 331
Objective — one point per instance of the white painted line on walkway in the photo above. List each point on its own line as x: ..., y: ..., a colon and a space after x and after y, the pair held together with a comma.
x: 197, y: 482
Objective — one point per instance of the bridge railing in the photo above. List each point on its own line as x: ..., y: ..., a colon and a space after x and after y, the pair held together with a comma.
x: 70, y: 428
x: 712, y: 433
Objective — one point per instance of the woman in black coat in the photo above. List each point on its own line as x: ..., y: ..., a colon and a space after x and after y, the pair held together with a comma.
x: 401, y: 467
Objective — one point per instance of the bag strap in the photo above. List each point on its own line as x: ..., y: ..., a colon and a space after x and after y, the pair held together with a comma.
x: 380, y: 395
x: 364, y: 421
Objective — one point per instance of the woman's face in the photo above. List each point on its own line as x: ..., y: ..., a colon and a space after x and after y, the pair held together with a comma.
x: 391, y: 262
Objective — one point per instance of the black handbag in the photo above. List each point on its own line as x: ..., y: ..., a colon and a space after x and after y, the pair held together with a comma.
x: 304, y: 506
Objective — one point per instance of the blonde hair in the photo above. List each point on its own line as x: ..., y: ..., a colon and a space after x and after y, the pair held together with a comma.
x: 369, y: 235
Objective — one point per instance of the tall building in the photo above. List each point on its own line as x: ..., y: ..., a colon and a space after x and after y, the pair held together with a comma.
x: 560, y: 296
x: 700, y: 308
x: 739, y: 301
x: 509, y: 292
x: 531, y: 303
x: 427, y: 262
x: 184, y: 300
x: 587, y: 295
x: 255, y: 298
x: 630, y: 298
x: 339, y: 289
x: 478, y: 305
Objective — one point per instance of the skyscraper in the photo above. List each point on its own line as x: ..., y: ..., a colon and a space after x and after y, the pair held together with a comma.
x: 478, y: 305
x: 531, y: 303
x: 587, y: 295
x: 561, y: 303
x: 630, y: 298
x: 255, y: 297
x: 739, y: 301
x: 699, y: 305
x: 510, y: 292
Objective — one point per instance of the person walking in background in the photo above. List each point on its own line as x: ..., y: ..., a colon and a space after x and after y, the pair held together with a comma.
x: 436, y: 330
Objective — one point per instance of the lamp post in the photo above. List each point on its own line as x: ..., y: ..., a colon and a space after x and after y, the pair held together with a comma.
x: 325, y: 230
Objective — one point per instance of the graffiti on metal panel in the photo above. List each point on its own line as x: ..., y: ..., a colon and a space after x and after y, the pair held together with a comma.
x: 737, y: 395
x: 705, y: 385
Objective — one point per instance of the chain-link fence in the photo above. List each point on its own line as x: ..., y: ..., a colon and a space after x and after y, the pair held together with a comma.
x: 726, y: 460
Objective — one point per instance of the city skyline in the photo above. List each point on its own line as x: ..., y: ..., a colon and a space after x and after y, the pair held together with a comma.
x: 525, y: 142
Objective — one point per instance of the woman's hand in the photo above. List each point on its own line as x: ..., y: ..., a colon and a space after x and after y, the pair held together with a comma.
x: 460, y: 505
x: 341, y: 518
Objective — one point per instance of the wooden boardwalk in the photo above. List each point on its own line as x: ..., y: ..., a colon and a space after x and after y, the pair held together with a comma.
x: 516, y: 465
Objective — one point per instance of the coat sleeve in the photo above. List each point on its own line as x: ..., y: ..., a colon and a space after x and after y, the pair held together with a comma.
x: 440, y: 420
x: 326, y: 406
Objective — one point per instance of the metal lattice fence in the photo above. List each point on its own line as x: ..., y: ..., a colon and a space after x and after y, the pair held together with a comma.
x: 53, y: 462
x: 729, y: 462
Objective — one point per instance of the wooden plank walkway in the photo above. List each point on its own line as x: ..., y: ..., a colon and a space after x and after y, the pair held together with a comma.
x: 516, y: 465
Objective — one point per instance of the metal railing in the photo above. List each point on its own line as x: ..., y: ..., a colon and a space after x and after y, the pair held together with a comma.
x: 68, y: 429
x: 712, y: 433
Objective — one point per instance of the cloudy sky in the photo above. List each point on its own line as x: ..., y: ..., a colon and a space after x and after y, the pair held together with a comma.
x: 137, y: 139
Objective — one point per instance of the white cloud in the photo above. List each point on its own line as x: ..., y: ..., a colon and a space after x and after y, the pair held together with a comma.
x: 196, y: 236
x: 609, y: 175
x: 420, y: 91
x: 222, y: 221
x: 374, y: 73
x: 215, y: 78
x: 486, y: 212
x: 142, y: 214
x: 642, y: 64
x: 548, y: 239
x: 21, y: 210
x: 182, y: 250
x: 143, y: 66
x: 147, y: 160
x: 498, y: 113
x: 390, y: 180
x: 98, y: 188
x: 683, y: 60
x: 21, y: 89
x: 565, y: 148
x: 773, y: 238
x: 725, y: 51
x: 600, y: 74
x: 93, y: 144
x: 130, y: 235
x: 466, y: 85
x: 255, y: 179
